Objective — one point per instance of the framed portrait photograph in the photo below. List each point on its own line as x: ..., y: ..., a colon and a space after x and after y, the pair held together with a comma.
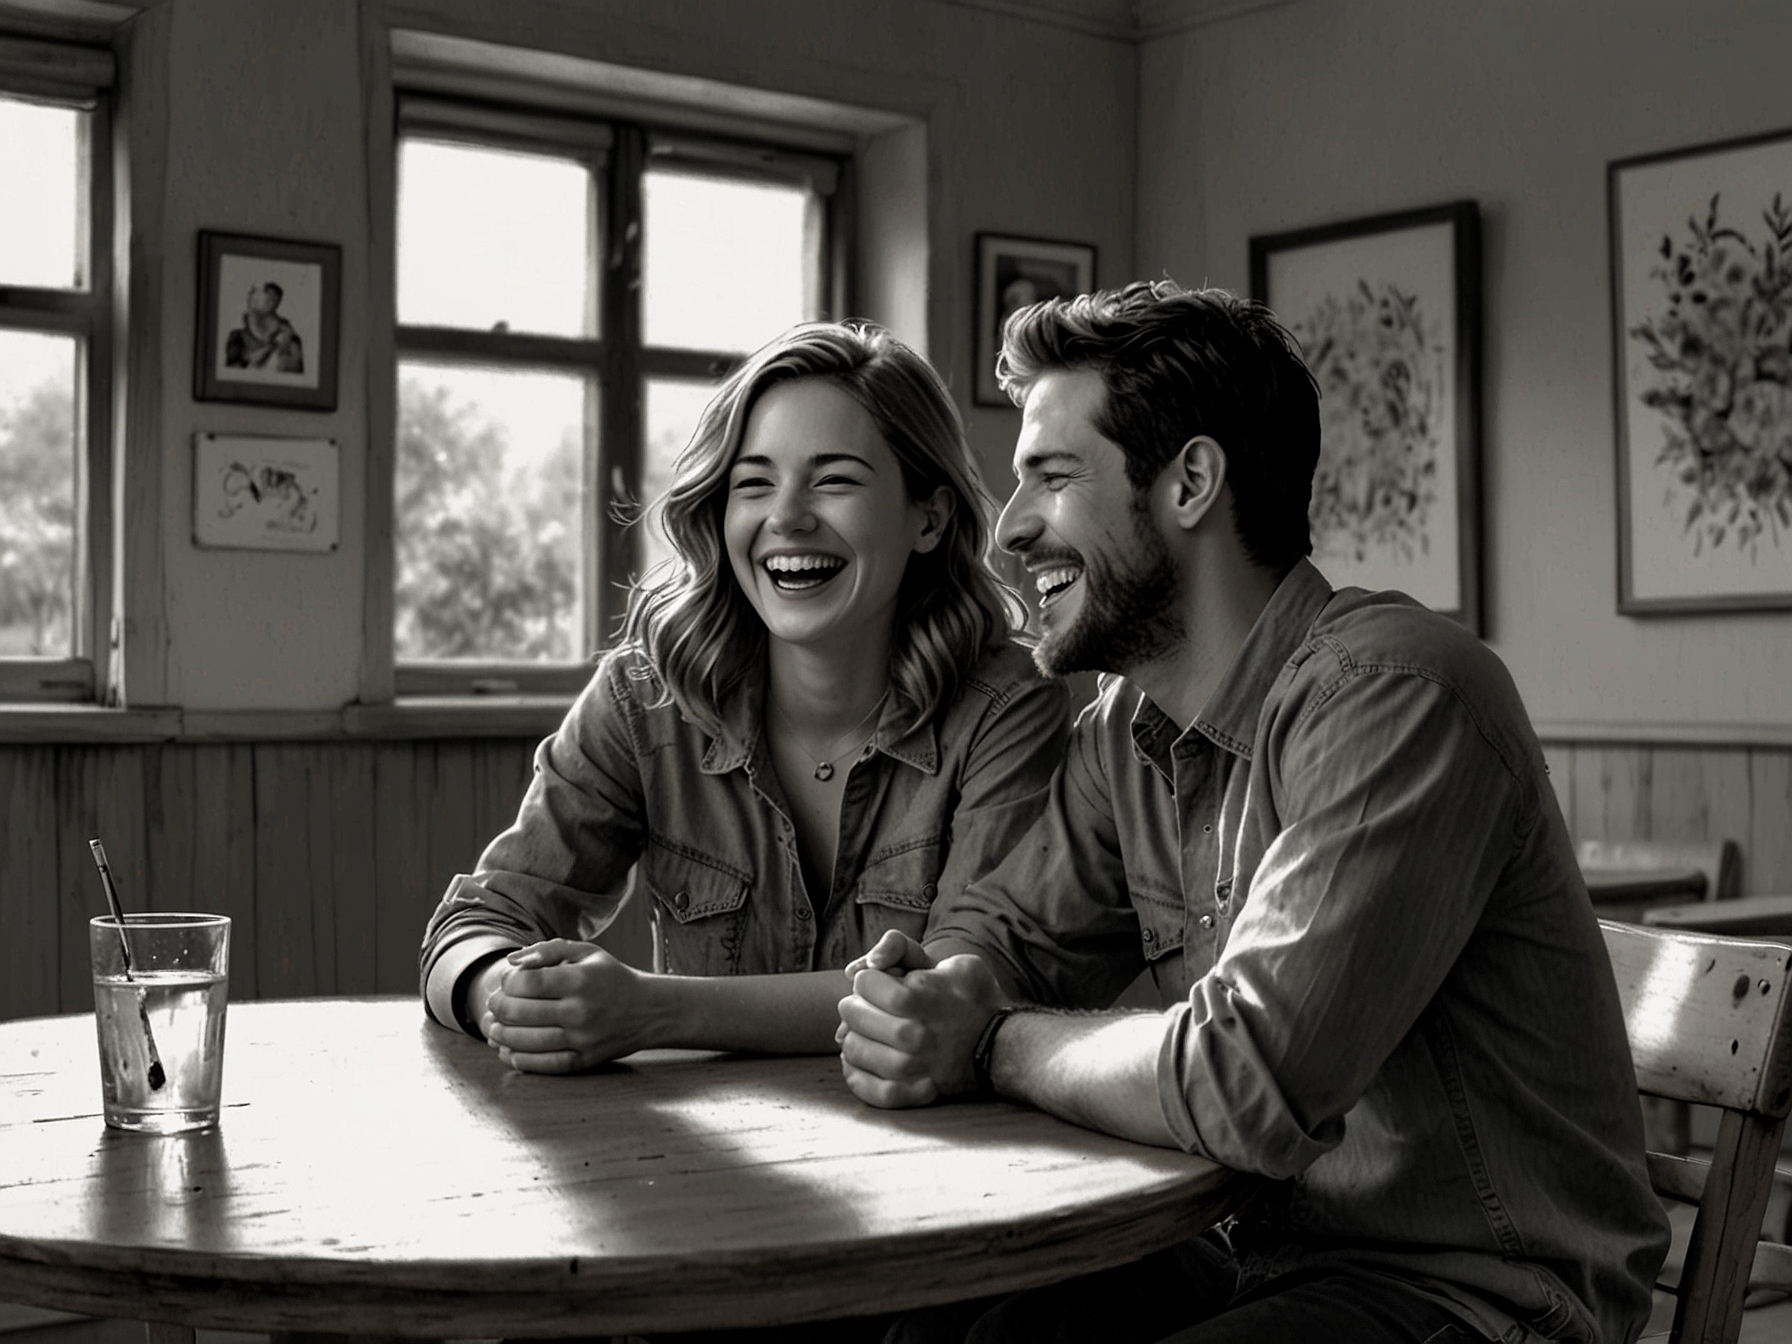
x: 269, y: 315
x: 1701, y: 252
x: 1387, y: 311
x: 1011, y: 273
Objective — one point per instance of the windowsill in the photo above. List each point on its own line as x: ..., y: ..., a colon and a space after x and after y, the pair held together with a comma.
x: 527, y: 716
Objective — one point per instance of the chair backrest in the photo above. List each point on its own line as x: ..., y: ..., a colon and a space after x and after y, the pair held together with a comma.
x: 1719, y: 860
x: 1710, y: 1021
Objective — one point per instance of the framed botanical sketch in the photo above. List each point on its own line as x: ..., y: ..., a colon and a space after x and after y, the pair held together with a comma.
x: 1011, y: 273
x: 1387, y: 311
x: 1701, y: 244
x: 269, y: 315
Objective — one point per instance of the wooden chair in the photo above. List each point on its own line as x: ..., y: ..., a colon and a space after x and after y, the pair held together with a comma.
x: 1717, y: 862
x: 1710, y: 1021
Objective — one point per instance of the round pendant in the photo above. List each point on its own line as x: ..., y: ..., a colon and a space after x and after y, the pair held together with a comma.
x: 824, y: 771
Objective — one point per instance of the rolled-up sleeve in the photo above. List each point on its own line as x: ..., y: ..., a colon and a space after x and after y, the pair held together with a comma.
x: 1395, y: 815
x: 1055, y: 912
x: 560, y: 870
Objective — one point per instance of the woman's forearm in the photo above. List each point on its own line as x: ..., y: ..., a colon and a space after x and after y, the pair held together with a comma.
x: 768, y: 1014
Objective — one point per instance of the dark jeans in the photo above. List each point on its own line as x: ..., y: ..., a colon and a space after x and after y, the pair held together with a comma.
x: 1185, y: 1295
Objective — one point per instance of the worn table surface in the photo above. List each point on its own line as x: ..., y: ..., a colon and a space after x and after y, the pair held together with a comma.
x: 375, y: 1174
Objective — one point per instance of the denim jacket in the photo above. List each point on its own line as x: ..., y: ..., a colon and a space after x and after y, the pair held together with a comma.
x: 628, y: 780
x: 1390, y: 996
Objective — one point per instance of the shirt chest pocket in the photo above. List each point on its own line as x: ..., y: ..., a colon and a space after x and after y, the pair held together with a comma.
x: 1160, y: 921
x: 699, y: 912
x: 896, y: 891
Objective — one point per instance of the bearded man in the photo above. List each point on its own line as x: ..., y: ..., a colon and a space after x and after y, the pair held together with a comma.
x: 1321, y: 819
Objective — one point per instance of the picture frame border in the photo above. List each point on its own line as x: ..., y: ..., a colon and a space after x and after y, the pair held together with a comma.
x: 985, y: 391
x: 1629, y: 604
x: 1464, y: 219
x: 213, y: 246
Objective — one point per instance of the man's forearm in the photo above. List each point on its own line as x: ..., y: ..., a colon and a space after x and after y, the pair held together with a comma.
x: 1094, y: 1070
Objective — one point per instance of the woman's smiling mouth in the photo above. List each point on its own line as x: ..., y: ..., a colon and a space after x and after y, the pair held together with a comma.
x: 799, y: 573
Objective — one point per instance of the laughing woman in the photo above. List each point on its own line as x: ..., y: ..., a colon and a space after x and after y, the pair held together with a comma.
x: 813, y: 728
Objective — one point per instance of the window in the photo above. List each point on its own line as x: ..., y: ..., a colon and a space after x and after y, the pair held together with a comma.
x: 569, y: 294
x: 54, y: 288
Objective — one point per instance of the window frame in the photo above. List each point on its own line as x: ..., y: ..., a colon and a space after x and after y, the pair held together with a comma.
x: 618, y: 151
x: 79, y: 78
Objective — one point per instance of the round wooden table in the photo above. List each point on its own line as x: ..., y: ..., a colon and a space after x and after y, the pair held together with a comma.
x: 375, y: 1174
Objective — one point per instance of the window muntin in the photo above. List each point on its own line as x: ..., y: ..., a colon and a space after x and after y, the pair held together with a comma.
x: 672, y: 206
x: 54, y: 209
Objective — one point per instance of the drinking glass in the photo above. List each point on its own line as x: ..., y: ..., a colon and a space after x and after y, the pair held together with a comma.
x: 158, y: 1004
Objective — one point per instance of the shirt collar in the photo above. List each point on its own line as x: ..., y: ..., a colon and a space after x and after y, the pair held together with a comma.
x: 1229, y: 718
x: 736, y: 741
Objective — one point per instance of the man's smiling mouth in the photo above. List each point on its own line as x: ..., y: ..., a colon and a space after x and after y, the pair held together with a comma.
x: 1052, y: 583
x: 796, y: 573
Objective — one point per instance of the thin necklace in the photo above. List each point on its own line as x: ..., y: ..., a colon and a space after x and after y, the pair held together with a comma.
x: 824, y: 764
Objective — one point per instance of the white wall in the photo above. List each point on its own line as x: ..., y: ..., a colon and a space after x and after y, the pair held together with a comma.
x: 1030, y: 130
x: 1324, y: 110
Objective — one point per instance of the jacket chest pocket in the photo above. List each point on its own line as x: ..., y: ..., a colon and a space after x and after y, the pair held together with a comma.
x: 699, y: 913
x: 896, y: 892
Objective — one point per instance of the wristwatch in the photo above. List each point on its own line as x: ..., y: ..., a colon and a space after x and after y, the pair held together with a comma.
x: 986, y: 1047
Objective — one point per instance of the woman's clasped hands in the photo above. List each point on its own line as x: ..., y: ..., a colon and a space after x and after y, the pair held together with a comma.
x: 561, y: 1006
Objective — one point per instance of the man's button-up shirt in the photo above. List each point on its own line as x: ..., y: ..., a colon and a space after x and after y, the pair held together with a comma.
x: 1390, y: 995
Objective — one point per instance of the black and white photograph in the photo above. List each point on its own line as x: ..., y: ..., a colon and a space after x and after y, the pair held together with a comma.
x: 269, y: 313
x: 1012, y: 273
x: 896, y: 672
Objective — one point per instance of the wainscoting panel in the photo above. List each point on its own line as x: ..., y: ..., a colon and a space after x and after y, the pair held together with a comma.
x: 329, y: 856
x: 1634, y: 791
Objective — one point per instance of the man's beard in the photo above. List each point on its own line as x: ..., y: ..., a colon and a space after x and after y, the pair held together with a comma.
x: 1128, y: 614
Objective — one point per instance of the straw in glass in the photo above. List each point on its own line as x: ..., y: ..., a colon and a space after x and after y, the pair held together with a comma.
x: 157, y: 1075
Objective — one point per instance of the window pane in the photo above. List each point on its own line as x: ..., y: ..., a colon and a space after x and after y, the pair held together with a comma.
x: 37, y: 494
x: 723, y: 265
x: 490, y: 239
x: 490, y: 515
x: 673, y: 407
x: 40, y: 185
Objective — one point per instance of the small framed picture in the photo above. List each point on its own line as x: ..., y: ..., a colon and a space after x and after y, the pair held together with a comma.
x: 1011, y: 273
x: 269, y: 314
x: 1387, y: 311
x: 266, y: 494
x: 1701, y: 243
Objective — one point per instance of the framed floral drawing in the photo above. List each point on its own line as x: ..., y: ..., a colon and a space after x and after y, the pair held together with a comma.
x: 1387, y: 311
x: 1011, y: 273
x: 1701, y: 248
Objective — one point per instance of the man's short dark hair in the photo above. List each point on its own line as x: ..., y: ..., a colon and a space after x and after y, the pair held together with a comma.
x: 1179, y: 363
x: 275, y: 291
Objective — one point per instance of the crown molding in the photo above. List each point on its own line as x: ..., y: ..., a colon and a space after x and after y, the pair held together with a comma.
x: 1164, y: 18
x: 1120, y: 20
x: 1113, y: 19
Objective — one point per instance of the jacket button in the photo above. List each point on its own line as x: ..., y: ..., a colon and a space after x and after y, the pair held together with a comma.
x: 802, y: 913
x: 682, y: 901
x: 1151, y: 935
x: 929, y: 891
x: 1207, y: 921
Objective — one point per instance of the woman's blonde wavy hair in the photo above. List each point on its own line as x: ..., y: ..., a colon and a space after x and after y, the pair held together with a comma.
x: 695, y: 626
